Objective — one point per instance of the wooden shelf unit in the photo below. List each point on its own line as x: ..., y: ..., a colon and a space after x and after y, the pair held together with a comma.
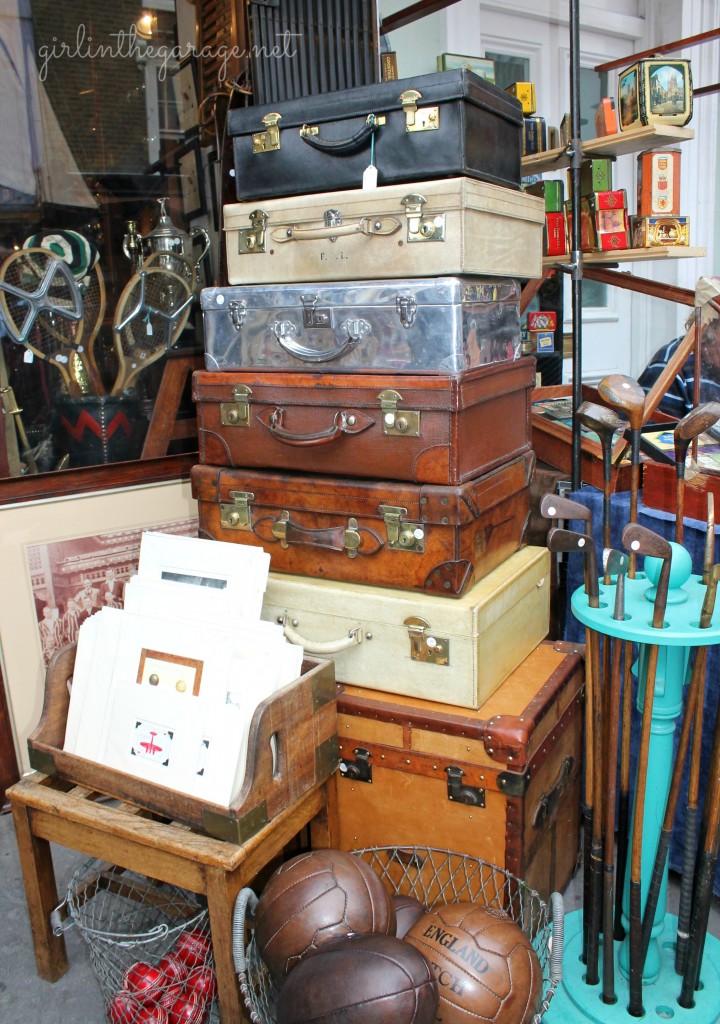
x: 620, y: 144
x: 612, y: 256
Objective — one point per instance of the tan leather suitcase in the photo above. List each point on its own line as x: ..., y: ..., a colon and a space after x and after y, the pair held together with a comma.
x: 436, y: 430
x: 412, y: 536
x: 501, y: 783
x: 422, y: 229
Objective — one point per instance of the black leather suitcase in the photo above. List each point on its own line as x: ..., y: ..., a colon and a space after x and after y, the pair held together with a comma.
x: 444, y: 125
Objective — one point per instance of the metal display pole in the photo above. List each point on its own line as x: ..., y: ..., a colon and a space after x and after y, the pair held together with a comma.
x: 575, y: 266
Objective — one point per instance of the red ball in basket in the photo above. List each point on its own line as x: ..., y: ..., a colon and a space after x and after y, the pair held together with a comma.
x: 144, y: 981
x: 202, y: 982
x: 193, y: 947
x: 359, y: 979
x: 188, y: 1009
x: 485, y: 965
x: 314, y: 898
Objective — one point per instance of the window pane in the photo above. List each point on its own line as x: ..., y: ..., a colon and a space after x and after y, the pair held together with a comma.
x: 509, y: 68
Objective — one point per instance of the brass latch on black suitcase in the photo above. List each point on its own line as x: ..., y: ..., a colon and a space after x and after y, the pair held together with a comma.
x: 423, y: 119
x: 269, y: 140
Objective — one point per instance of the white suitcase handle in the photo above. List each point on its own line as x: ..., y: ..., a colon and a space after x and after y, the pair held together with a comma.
x: 354, y: 637
x: 364, y: 226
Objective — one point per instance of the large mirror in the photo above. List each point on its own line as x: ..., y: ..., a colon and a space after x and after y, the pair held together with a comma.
x: 109, y: 223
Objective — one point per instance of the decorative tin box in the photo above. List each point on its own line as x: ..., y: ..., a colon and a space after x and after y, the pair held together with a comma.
x: 655, y: 91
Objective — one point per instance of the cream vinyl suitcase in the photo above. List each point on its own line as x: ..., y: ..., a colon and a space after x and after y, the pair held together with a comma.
x: 425, y: 229
x: 419, y: 645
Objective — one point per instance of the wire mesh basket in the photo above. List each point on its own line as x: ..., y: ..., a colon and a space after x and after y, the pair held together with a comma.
x: 149, y: 942
x: 434, y: 877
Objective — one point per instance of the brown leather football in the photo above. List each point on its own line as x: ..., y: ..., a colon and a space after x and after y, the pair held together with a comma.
x: 357, y: 980
x: 407, y: 911
x: 484, y: 963
x: 314, y: 898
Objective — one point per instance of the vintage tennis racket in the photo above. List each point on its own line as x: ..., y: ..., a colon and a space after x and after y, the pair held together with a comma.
x: 92, y: 293
x: 42, y: 309
x: 151, y: 313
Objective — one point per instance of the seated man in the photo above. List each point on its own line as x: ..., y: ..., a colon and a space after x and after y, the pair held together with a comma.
x: 679, y: 397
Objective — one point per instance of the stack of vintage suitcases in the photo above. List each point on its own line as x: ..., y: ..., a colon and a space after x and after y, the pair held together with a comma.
x: 365, y: 417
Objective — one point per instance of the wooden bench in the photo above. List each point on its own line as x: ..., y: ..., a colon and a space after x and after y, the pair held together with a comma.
x: 47, y: 810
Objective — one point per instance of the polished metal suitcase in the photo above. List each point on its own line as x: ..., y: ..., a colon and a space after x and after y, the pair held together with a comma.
x: 420, y: 645
x: 389, y: 533
x: 441, y: 125
x: 501, y: 782
x: 395, y: 426
x: 423, y: 229
x: 411, y: 325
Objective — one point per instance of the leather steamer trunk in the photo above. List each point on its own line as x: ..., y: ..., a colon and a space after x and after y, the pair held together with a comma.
x: 413, y: 536
x: 424, y: 229
x: 502, y: 783
x: 439, y: 125
x: 420, y: 645
x: 435, y: 430
x: 405, y: 325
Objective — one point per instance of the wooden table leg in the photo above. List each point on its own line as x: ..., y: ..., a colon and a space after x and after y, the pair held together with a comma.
x: 41, y: 895
x: 221, y: 895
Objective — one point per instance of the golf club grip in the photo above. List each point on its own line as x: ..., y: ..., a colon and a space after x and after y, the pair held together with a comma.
x: 593, y: 947
x: 653, y: 895
x: 587, y: 886
x: 608, y: 981
x: 635, y: 1006
x: 622, y: 844
x: 700, y: 918
x: 686, y: 888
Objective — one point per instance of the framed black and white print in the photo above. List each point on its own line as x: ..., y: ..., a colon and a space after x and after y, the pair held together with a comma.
x: 185, y: 92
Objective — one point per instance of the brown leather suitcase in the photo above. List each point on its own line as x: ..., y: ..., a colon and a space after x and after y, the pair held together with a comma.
x: 417, y: 537
x: 502, y: 783
x: 435, y: 430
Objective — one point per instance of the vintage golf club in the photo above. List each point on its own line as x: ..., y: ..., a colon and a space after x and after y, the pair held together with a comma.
x: 566, y: 540
x: 616, y: 563
x: 625, y: 395
x: 694, y: 423
x: 705, y: 867
x: 693, y: 791
x: 604, y: 422
x: 642, y: 541
x: 695, y: 694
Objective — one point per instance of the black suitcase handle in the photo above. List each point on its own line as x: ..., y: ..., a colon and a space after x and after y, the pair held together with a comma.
x: 340, y: 147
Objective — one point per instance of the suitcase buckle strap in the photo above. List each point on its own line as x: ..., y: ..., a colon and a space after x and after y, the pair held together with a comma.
x: 425, y: 646
x: 398, y: 424
x: 402, y: 535
x: 346, y: 539
x: 421, y: 228
x: 422, y: 119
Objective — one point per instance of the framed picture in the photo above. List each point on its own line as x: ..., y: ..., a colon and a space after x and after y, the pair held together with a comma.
x: 484, y: 67
x: 66, y: 552
x: 192, y: 181
x: 184, y: 83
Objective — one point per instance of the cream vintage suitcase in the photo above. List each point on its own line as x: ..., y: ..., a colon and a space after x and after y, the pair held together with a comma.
x: 423, y: 229
x: 416, y: 645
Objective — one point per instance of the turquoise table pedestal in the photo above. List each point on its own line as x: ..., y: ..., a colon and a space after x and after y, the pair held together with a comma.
x: 574, y: 999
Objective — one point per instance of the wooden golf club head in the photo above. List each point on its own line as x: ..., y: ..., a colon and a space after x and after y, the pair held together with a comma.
x: 615, y: 563
x: 559, y: 539
x: 693, y: 423
x: 598, y: 418
x: 642, y: 541
x: 553, y: 506
x: 625, y: 394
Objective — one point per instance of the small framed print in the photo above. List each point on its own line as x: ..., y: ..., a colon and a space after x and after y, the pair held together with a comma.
x: 169, y: 672
x: 482, y: 66
x: 192, y: 183
x: 184, y: 81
